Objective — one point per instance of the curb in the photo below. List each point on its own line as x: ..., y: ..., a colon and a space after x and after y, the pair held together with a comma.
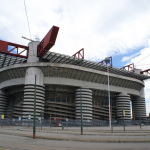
x: 79, y: 139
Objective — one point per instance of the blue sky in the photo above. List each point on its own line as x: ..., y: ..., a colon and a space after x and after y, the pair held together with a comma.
x: 117, y: 28
x: 120, y: 60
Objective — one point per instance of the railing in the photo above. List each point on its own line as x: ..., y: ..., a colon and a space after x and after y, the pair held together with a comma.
x: 69, y: 123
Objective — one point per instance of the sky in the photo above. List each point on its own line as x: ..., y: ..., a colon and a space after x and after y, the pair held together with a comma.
x: 117, y: 28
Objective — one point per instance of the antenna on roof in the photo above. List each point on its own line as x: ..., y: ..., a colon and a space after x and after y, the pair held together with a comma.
x: 37, y: 39
x: 27, y: 38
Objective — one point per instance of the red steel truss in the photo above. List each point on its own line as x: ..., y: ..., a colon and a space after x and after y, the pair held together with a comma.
x: 48, y: 41
x: 146, y: 72
x: 103, y: 61
x: 129, y: 67
x: 13, y: 49
x: 79, y: 54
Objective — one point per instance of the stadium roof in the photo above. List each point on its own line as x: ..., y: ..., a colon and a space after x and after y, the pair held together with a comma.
x: 64, y: 59
x: 6, y: 60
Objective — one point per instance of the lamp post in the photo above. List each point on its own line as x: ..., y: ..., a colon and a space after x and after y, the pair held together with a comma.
x: 107, y: 61
x: 41, y: 119
x: 123, y: 112
x: 50, y: 121
x: 81, y: 113
x: 34, y: 114
x: 140, y: 118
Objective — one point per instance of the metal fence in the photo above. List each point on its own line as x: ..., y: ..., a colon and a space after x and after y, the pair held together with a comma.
x: 69, y: 123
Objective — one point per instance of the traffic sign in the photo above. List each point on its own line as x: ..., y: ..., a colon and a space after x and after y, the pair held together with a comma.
x: 123, y: 112
x: 2, y: 116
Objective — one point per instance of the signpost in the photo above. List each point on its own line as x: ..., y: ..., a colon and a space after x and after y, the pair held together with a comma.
x: 2, y: 116
x: 19, y: 123
x: 29, y: 117
x: 41, y: 119
x: 123, y: 119
x: 67, y: 121
x: 123, y: 112
x: 50, y: 121
x: 81, y: 113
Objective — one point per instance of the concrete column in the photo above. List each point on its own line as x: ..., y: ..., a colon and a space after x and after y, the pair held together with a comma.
x: 29, y: 89
x: 123, y: 104
x: 3, y: 102
x: 32, y: 56
x: 139, y: 108
x: 84, y: 96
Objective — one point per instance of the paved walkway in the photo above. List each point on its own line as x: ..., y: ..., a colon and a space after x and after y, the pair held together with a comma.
x: 133, y: 134
x: 13, y: 142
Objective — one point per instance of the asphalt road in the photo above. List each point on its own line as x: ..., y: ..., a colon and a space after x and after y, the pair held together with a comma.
x: 12, y: 142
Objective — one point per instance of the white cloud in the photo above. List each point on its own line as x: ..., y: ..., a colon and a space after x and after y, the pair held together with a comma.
x: 101, y: 27
x: 128, y: 58
x: 142, y: 60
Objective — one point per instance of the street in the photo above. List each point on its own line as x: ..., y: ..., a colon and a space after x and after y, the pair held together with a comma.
x: 12, y: 142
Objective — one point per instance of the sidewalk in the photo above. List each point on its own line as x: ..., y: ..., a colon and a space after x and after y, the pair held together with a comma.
x: 90, y: 134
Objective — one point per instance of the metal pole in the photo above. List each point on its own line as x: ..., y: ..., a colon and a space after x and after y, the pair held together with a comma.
x: 50, y: 121
x: 34, y: 115
x: 109, y: 99
x: 111, y: 118
x: 140, y: 120
x: 81, y: 113
x: 41, y: 120
x: 123, y: 120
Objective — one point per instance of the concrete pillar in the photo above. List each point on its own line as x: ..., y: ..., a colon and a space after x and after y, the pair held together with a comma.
x: 29, y: 89
x: 123, y: 104
x: 139, y: 108
x: 84, y: 96
x: 3, y: 102
x: 32, y: 56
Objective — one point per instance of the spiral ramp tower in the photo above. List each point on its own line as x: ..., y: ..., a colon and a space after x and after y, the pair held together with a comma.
x: 16, y: 98
x: 28, y: 104
x: 83, y: 99
x: 34, y: 86
x: 33, y: 89
x: 3, y: 102
x: 139, y: 109
x: 123, y: 104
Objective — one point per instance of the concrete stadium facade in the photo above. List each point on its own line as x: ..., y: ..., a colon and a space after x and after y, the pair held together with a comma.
x: 63, y: 83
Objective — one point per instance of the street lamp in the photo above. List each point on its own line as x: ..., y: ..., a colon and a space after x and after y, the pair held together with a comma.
x: 81, y: 113
x: 34, y: 113
x: 107, y: 61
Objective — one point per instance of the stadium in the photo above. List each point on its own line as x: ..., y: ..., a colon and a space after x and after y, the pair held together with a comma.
x: 64, y: 86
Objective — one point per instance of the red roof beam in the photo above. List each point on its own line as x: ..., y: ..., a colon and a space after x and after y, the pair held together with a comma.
x: 22, y: 52
x: 145, y: 71
x: 79, y: 54
x: 12, y: 49
x: 129, y: 67
x: 4, y: 48
x: 48, y: 41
